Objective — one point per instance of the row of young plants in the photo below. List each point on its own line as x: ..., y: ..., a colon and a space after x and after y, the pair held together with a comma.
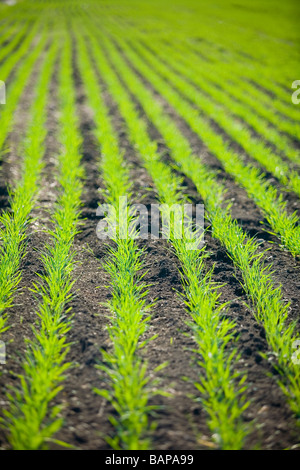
x: 246, y: 69
x: 9, y: 23
x: 262, y: 74
x: 220, y: 385
x: 264, y: 195
x: 129, y: 385
x: 257, y: 84
x: 268, y: 305
x: 210, y: 83
x: 239, y: 133
x: 33, y: 416
x: 15, y: 60
x: 256, y: 100
x: 257, y: 64
x: 237, y: 93
x: 14, y: 41
x: 207, y: 57
x: 21, y: 78
x: 15, y: 221
x: 7, y: 29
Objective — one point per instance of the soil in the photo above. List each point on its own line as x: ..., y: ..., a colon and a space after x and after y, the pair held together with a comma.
x: 181, y: 421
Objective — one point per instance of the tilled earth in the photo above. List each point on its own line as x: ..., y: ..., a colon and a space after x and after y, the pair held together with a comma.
x: 181, y: 420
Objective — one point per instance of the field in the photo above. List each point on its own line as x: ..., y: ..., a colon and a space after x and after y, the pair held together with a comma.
x: 180, y: 338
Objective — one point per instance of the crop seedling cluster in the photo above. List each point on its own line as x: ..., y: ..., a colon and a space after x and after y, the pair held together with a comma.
x: 141, y: 343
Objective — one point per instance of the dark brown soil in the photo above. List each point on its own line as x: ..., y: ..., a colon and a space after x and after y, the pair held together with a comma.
x: 9, y: 156
x: 266, y: 398
x: 181, y: 423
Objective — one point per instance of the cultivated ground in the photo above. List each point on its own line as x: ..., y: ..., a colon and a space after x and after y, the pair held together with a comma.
x: 189, y: 102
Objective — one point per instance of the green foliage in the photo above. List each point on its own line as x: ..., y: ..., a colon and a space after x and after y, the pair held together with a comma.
x: 212, y: 66
x: 32, y: 418
x: 130, y: 384
x: 230, y: 103
x: 267, y: 301
x: 258, y: 188
x: 209, y: 329
x: 15, y: 222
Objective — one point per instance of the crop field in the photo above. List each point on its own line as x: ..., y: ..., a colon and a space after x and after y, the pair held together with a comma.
x: 149, y: 225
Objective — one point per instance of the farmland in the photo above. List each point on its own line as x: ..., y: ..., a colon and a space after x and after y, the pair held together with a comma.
x: 136, y: 341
